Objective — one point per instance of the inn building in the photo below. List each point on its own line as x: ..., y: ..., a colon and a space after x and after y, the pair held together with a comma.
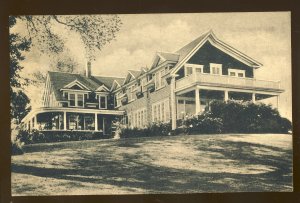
x: 175, y: 85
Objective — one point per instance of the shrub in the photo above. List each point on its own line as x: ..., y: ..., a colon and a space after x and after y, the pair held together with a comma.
x: 247, y: 117
x: 36, y: 136
x: 204, y: 123
x: 16, y: 144
x: 155, y: 129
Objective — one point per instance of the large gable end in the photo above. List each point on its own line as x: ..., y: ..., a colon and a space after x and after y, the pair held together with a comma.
x: 191, y: 48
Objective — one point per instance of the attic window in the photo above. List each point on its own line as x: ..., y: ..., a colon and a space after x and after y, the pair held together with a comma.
x: 236, y: 73
x: 215, y: 69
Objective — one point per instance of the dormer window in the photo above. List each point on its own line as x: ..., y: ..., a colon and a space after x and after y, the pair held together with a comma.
x: 215, y: 69
x: 80, y: 100
x: 72, y: 99
x: 76, y: 100
x: 102, y: 102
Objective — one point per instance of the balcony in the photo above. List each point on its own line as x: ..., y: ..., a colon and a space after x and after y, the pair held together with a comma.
x: 227, y: 82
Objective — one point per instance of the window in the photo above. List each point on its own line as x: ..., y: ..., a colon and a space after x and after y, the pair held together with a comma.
x: 80, y: 100
x: 189, y: 71
x: 130, y: 93
x: 236, y: 73
x: 198, y: 70
x: 162, y: 73
x: 161, y: 111
x: 241, y: 75
x: 76, y: 99
x: 193, y: 68
x: 215, y: 69
x: 117, y: 99
x: 89, y: 123
x: 143, y: 83
x: 72, y: 99
x: 102, y: 102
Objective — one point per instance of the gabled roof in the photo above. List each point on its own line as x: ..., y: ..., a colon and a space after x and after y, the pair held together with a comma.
x: 77, y: 84
x: 161, y: 57
x: 107, y: 80
x: 59, y: 80
x: 188, y: 50
x: 135, y: 73
x: 169, y: 56
x: 184, y: 51
x: 132, y: 74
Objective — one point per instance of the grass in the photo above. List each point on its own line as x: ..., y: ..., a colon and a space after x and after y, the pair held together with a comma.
x: 178, y: 164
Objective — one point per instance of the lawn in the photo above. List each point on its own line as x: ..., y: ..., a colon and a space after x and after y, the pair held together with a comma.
x: 175, y: 164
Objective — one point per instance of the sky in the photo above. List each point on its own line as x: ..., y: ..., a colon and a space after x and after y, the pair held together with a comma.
x: 264, y: 36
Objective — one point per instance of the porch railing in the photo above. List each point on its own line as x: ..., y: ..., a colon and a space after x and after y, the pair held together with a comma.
x: 226, y: 81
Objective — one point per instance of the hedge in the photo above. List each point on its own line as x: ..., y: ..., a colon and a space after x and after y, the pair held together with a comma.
x: 36, y: 136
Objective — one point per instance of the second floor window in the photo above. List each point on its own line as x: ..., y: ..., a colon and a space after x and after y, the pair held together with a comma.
x: 102, y: 102
x: 72, y: 99
x: 80, y: 100
x: 76, y: 100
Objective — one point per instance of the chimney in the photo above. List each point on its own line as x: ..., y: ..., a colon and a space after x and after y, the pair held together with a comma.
x: 88, y: 70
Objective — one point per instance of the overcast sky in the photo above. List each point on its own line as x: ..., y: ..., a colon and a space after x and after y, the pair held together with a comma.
x: 262, y: 36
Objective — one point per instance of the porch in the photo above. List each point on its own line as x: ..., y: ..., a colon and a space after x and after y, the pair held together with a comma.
x: 196, y: 100
x: 67, y: 119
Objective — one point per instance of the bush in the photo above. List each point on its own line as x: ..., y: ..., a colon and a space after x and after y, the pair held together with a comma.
x: 16, y: 147
x: 16, y: 144
x: 155, y: 129
x: 247, y: 117
x: 36, y: 136
x: 204, y: 124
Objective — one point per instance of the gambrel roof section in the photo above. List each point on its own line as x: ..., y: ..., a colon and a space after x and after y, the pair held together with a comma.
x: 191, y: 48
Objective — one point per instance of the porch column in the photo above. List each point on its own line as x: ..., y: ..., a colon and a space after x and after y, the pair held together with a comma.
x: 253, y: 98
x: 173, y: 103
x: 65, y: 120
x: 278, y: 99
x: 197, y: 101
x: 226, y: 97
x: 96, y: 122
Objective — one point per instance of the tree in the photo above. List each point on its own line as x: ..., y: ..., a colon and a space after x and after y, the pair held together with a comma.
x: 19, y: 100
x: 95, y: 31
x: 17, y: 46
x: 43, y: 34
x: 19, y: 105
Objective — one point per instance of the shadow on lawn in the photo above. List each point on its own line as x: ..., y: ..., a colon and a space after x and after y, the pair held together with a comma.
x: 131, y: 173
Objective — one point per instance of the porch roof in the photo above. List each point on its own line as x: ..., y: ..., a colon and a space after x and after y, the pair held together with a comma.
x: 71, y: 110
